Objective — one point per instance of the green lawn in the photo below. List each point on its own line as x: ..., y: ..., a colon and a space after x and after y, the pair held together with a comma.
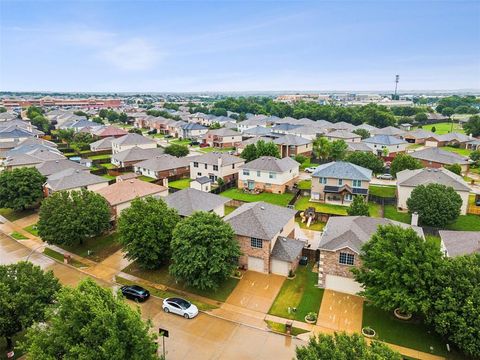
x: 146, y: 178
x: 463, y: 152
x: 100, y: 157
x: 212, y: 149
x: 59, y: 256
x: 374, y: 209
x: 180, y: 184
x: 412, y: 334
x: 100, y: 247
x: 161, y: 276
x: 179, y: 142
x: 305, y: 184
x: 229, y: 209
x: 163, y: 294
x: 108, y: 166
x: 390, y: 212
x: 17, y: 236
x: 444, y: 128
x: 307, y: 163
x: 434, y: 239
x: 276, y: 199
x: 316, y: 226
x: 382, y: 191
x: 109, y: 177
x: 12, y: 215
x: 304, y: 202
x: 32, y: 229
x: 299, y: 292
x: 281, y: 328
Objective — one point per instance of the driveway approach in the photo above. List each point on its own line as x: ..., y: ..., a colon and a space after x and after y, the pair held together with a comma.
x: 204, y: 337
x: 341, y: 312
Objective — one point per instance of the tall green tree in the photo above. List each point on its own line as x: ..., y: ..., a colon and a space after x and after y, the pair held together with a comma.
x: 89, y: 322
x: 455, y: 168
x: 367, y: 160
x: 33, y: 111
x: 358, y: 207
x: 338, y: 150
x: 398, y: 269
x: 103, y: 113
x: 3, y: 109
x: 404, y: 162
x: 65, y: 135
x: 436, y: 204
x: 177, y: 150
x: 21, y: 188
x: 146, y: 229
x: 455, y: 310
x: 321, y: 148
x: 472, y: 126
x: 365, y: 134
x: 25, y: 292
x: 342, y: 346
x: 421, y: 118
x: 41, y: 123
x: 69, y: 218
x: 261, y: 148
x: 249, y: 153
x: 204, y: 251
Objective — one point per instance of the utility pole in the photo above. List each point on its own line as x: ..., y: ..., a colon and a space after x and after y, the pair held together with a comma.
x: 397, y: 78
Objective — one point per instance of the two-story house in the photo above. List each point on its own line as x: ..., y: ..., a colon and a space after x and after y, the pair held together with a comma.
x: 132, y: 140
x: 338, y: 182
x: 269, y: 174
x: 386, y: 145
x: 265, y: 233
x: 222, y: 138
x: 216, y: 165
x: 292, y: 145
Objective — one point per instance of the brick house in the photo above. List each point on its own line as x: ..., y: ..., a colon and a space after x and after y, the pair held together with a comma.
x: 292, y: 145
x: 132, y: 140
x: 215, y: 165
x: 435, y: 158
x: 164, y: 166
x: 265, y: 233
x: 222, y: 138
x: 269, y: 174
x: 340, y: 245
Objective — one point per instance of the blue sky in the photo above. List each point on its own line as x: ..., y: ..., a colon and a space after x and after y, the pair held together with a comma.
x: 238, y: 45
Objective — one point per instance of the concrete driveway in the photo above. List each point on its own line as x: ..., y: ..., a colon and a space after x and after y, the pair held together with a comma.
x: 256, y: 291
x: 341, y: 312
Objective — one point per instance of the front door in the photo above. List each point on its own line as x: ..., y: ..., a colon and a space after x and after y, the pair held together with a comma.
x: 251, y: 184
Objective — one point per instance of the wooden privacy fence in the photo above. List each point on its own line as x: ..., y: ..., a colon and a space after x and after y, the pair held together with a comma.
x: 475, y: 210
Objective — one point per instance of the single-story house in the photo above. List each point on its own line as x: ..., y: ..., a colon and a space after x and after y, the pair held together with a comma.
x: 18, y: 159
x: 340, y: 246
x: 418, y: 136
x: 389, y: 131
x: 189, y: 200
x: 265, y: 233
x: 473, y: 144
x: 344, y: 135
x: 435, y: 157
x: 104, y: 144
x: 120, y: 195
x: 407, y: 180
x: 164, y: 166
x: 358, y: 146
x: 269, y: 174
x: 292, y: 145
x: 458, y: 243
x: 131, y: 156
x: 50, y: 167
x: 132, y: 140
x: 73, y: 179
x: 450, y: 139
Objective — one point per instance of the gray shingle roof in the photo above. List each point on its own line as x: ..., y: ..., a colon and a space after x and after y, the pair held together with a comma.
x: 259, y: 219
x: 224, y: 132
x: 342, y: 134
x: 287, y: 249
x: 384, y: 140
x: 354, y: 231
x: 458, y: 243
x: 438, y: 155
x: 358, y: 146
x: 367, y: 127
x: 269, y: 163
x: 133, y: 139
x: 71, y: 179
x: 342, y: 125
x: 102, y: 144
x: 189, y: 200
x: 412, y: 178
x: 164, y: 162
x: 389, y: 130
x: 258, y: 130
x: 213, y: 157
x: 419, y: 134
x: 343, y: 170
x: 54, y: 166
x: 137, y: 154
x: 292, y: 140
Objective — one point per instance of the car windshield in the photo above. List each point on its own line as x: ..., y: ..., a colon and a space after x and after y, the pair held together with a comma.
x: 138, y: 289
x: 184, y: 304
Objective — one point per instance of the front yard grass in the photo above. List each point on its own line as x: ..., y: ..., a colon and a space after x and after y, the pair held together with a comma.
x: 179, y: 142
x: 412, y: 334
x: 281, y: 328
x: 12, y: 215
x: 276, y: 199
x: 463, y: 152
x: 162, y: 276
x: 180, y: 184
x: 32, y: 229
x: 100, y: 247
x: 59, y: 256
x: 17, y: 236
x: 304, y: 202
x: 382, y: 191
x: 300, y: 293
x: 213, y: 149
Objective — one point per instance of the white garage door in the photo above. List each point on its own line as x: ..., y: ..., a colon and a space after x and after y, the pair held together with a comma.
x: 255, y: 264
x: 342, y: 284
x: 279, y: 267
x: 431, y: 143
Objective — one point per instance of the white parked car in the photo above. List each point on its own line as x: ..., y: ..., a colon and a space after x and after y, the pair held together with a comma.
x: 180, y: 307
x: 385, y: 177
x: 310, y: 169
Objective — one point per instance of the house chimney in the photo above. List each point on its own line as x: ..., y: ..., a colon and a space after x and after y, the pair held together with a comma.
x: 165, y: 182
x: 415, y: 219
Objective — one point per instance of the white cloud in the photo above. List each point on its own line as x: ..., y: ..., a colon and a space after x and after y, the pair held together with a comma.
x: 132, y: 54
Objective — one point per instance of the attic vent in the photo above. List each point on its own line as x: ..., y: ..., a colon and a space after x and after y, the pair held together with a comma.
x: 262, y: 207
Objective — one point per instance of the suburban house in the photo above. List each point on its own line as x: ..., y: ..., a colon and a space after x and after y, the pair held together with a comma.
x: 251, y: 123
x: 257, y: 131
x: 193, y: 130
x: 342, y: 125
x: 110, y: 131
x: 203, y: 183
x: 418, y: 136
x: 386, y: 145
x: 79, y: 125
x: 459, y: 243
x: 338, y: 182
x: 241, y: 146
x: 216, y: 165
x: 133, y: 155
x: 435, y: 158
x: 120, y: 195
x: 340, y: 246
x: 189, y: 200
x: 473, y: 144
x: 73, y: 179
x: 164, y: 167
x: 132, y: 140
x: 344, y: 135
x: 265, y: 233
x: 292, y: 145
x: 222, y: 138
x: 450, y: 139
x: 389, y: 131
x: 104, y: 144
x: 367, y: 127
x: 358, y: 146
x: 269, y: 174
x: 18, y: 159
x: 407, y: 180
x: 48, y: 168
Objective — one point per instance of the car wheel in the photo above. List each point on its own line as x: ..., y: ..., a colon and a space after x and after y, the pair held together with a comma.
x: 186, y: 316
x: 166, y: 310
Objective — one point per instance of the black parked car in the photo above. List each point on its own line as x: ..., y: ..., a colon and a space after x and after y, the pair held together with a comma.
x: 135, y: 292
x: 194, y: 142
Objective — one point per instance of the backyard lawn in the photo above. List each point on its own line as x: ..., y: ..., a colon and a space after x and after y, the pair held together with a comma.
x: 444, y: 128
x: 100, y: 157
x: 304, y: 202
x: 161, y: 276
x: 390, y: 212
x: 375, y: 210
x: 413, y: 334
x: 316, y: 226
x: 12, y: 215
x: 146, y: 178
x: 108, y: 166
x: 382, y: 191
x: 276, y: 199
x: 100, y: 247
x: 463, y: 152
x: 299, y: 292
x: 229, y: 209
x: 305, y: 184
x: 180, y: 184
x: 108, y: 177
